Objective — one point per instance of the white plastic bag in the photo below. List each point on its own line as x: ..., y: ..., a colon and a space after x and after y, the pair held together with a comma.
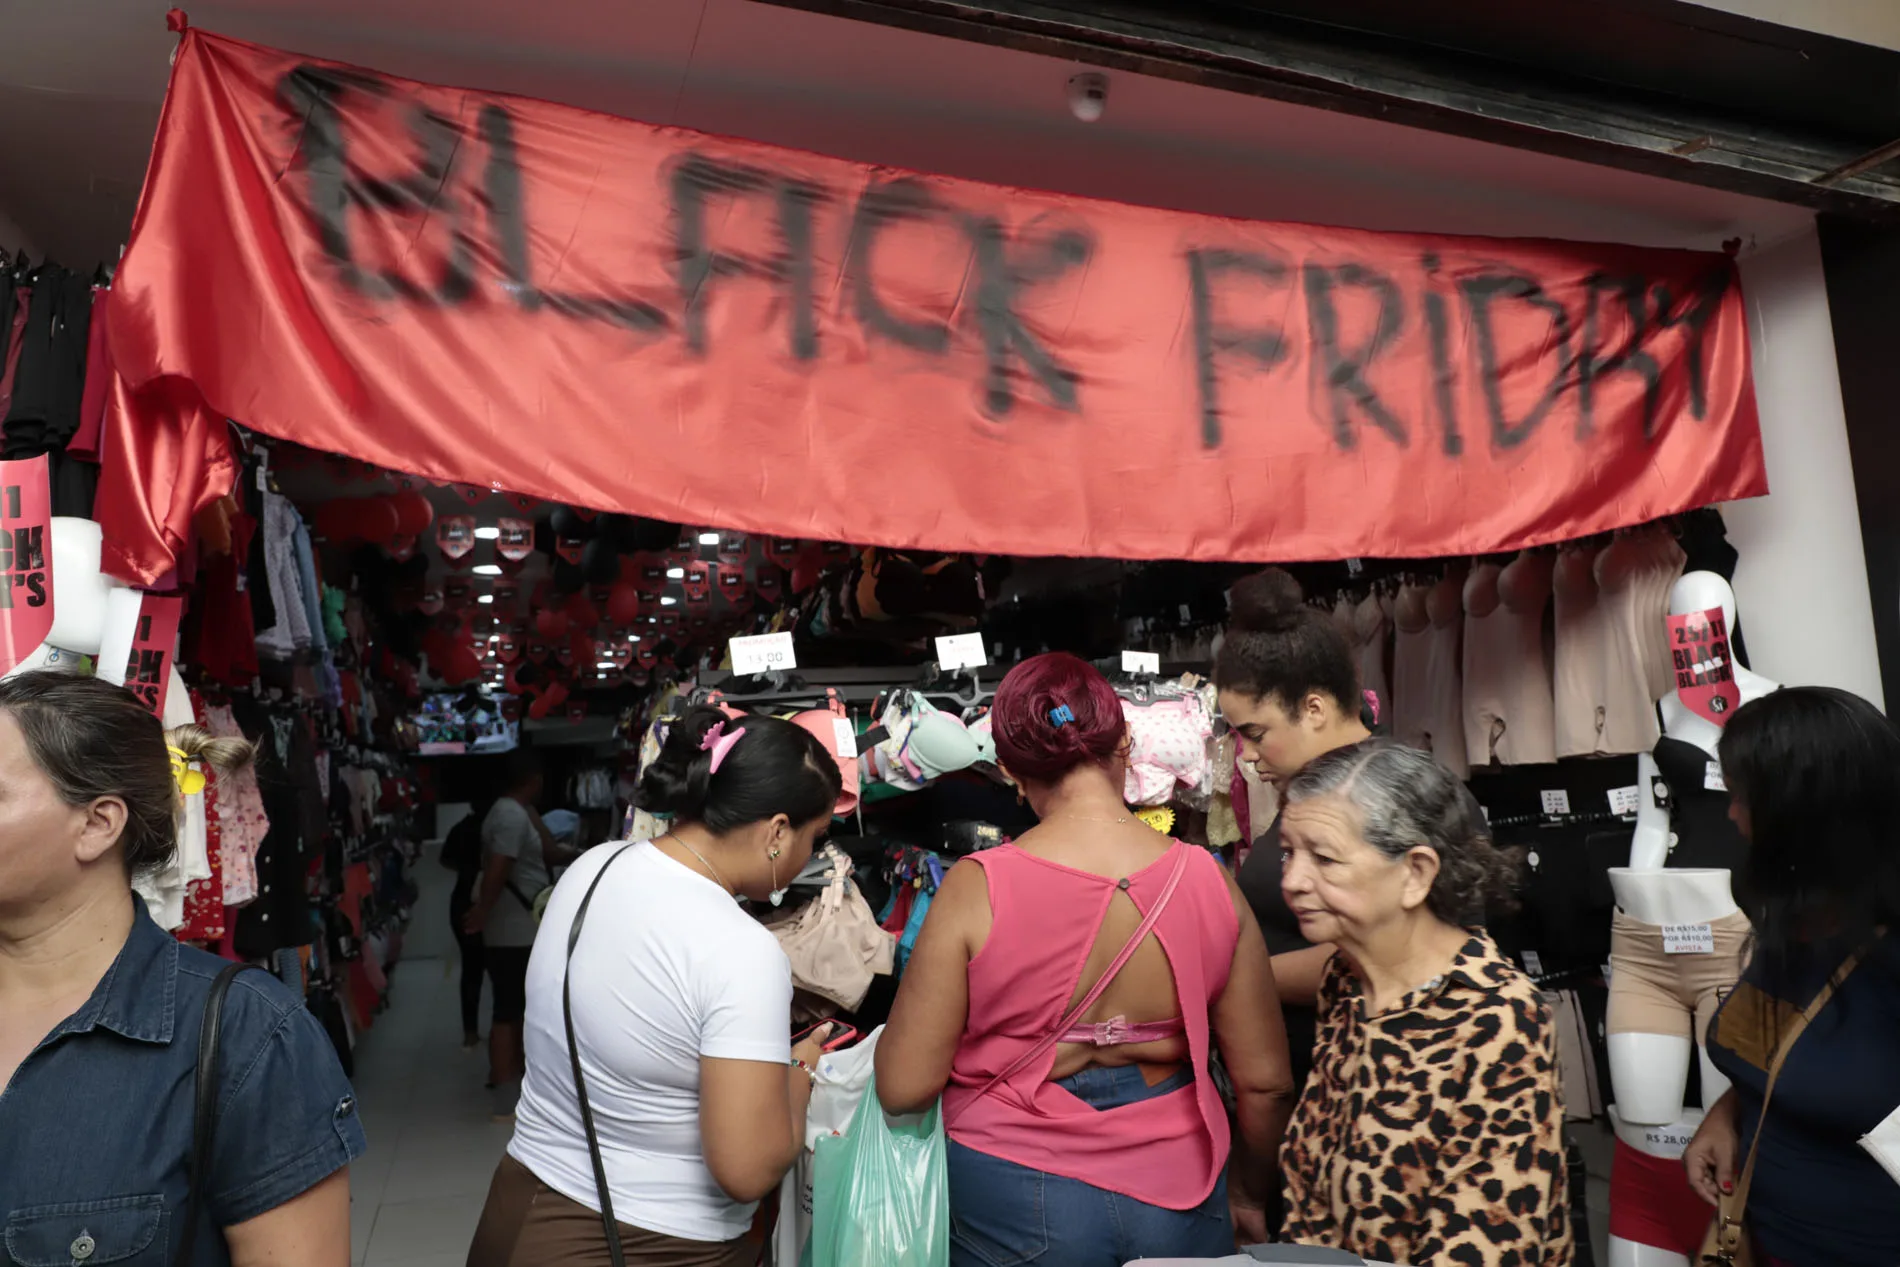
x: 842, y: 1079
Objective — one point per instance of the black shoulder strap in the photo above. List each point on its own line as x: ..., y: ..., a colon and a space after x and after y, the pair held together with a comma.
x: 204, y: 1126
x: 607, y: 1221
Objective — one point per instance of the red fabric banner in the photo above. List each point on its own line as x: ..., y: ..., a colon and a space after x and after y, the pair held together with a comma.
x: 508, y: 293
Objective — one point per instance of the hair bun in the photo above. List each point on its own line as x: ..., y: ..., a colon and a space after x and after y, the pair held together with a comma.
x: 1269, y: 601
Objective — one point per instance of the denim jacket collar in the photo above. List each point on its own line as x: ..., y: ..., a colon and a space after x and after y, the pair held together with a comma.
x: 138, y: 996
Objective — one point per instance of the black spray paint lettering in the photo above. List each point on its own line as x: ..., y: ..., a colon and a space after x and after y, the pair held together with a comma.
x: 1000, y: 281
x: 1340, y: 374
x: 1481, y: 293
x: 1265, y: 347
x: 1698, y: 314
x: 883, y: 204
x: 1444, y: 378
x: 696, y: 180
x: 1633, y: 290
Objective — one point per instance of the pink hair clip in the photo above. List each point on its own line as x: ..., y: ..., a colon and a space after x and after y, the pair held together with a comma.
x: 719, y: 743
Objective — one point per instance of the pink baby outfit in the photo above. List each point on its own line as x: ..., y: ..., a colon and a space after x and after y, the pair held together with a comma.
x: 1168, y: 1151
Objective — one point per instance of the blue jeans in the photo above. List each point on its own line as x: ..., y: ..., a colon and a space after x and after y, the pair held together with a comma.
x: 1005, y: 1215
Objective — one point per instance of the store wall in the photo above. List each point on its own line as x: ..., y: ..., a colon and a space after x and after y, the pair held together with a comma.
x: 1874, y: 22
x: 12, y: 240
x: 1801, y: 587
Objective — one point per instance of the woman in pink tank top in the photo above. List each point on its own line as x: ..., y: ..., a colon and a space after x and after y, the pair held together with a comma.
x: 1064, y: 998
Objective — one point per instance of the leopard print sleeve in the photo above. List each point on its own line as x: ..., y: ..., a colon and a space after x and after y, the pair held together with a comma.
x: 1502, y: 1198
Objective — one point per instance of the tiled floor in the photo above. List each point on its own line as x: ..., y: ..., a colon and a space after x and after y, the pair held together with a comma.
x: 416, y: 1195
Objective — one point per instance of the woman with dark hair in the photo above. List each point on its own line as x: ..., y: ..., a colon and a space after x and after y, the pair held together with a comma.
x: 681, y: 1016
x: 1065, y: 997
x: 102, y: 1014
x: 1814, y: 777
x: 1431, y: 1130
x: 1290, y: 691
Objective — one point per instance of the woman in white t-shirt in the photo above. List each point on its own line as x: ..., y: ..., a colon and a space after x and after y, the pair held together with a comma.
x: 681, y: 1014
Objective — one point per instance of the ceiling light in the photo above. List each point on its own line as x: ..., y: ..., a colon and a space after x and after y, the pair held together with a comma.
x: 607, y: 664
x: 486, y: 569
x: 653, y: 620
x: 709, y: 538
x: 669, y: 601
x: 489, y: 533
x: 676, y: 574
x: 484, y: 598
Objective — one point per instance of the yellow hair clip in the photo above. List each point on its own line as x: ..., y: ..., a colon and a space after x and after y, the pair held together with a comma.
x: 190, y: 782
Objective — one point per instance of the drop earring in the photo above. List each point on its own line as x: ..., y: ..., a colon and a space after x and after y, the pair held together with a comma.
x: 778, y: 894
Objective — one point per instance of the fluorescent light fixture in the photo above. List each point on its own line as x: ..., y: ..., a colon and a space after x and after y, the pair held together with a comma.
x: 653, y: 620
x: 669, y: 601
x: 484, y: 598
x: 488, y: 533
x: 709, y: 538
x: 676, y: 574
x: 486, y: 569
x: 606, y: 664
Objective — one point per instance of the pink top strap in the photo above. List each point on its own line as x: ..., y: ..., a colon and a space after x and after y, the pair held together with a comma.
x: 1096, y: 991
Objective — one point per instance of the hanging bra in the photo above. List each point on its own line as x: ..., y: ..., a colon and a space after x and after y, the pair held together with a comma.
x: 1167, y: 746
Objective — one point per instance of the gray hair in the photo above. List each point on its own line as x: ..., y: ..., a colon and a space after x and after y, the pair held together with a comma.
x: 1406, y: 800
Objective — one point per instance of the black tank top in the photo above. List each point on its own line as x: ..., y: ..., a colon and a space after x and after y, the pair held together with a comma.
x: 1698, y: 812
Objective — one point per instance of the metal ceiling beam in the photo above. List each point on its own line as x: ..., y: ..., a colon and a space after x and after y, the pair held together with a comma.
x: 1409, y: 84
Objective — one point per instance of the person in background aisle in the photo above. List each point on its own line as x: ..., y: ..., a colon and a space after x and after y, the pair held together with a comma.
x: 462, y: 854
x: 1431, y: 1130
x: 1025, y: 1008
x: 682, y: 1013
x: 519, y: 855
x: 101, y: 1013
x: 1814, y: 774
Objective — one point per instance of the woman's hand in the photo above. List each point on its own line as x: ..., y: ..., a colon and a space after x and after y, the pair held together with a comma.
x: 1711, y: 1156
x: 806, y: 1053
x: 1250, y: 1221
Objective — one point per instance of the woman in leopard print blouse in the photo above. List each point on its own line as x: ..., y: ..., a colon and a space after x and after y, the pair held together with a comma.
x: 1431, y: 1129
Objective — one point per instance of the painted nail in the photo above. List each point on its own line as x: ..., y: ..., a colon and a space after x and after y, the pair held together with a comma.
x: 1727, y: 1186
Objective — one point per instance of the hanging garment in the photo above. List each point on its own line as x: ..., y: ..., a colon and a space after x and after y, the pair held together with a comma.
x: 834, y: 943
x: 1442, y: 726
x: 292, y: 630
x: 1509, y: 713
x: 1612, y: 657
x: 1168, y: 748
x: 1372, y: 643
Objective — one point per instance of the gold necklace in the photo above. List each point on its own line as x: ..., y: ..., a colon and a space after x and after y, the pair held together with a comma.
x: 719, y: 879
x: 1084, y: 818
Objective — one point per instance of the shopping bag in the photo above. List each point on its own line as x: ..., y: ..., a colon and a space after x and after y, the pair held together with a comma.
x: 842, y: 1079
x: 881, y: 1192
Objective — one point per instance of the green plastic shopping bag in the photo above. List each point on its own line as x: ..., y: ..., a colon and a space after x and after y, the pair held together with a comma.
x: 881, y: 1192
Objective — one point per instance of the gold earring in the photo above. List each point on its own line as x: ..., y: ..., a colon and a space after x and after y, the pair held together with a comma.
x: 776, y: 851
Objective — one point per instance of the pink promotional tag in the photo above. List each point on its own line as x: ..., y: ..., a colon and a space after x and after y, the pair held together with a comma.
x: 1705, y: 670
x: 26, y: 574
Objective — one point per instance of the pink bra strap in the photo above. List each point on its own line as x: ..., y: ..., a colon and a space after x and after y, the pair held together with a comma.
x: 1117, y: 1032
x: 1096, y: 991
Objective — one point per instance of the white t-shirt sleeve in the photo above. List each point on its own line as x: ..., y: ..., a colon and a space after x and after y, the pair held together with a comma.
x: 746, y: 1000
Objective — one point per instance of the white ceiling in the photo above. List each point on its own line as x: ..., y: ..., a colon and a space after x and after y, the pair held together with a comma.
x: 81, y: 82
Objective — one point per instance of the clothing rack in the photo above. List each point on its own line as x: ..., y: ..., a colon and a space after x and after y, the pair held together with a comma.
x: 852, y: 686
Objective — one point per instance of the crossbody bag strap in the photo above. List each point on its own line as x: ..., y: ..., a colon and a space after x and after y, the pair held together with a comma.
x: 608, y: 1223
x: 1737, y: 1205
x: 204, y: 1121
x: 1101, y: 985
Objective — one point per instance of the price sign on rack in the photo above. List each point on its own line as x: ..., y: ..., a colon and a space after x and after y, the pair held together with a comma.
x: 1141, y: 662
x: 762, y: 653
x: 961, y: 651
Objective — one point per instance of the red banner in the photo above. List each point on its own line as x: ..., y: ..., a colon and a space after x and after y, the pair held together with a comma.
x: 26, y: 574
x: 491, y: 290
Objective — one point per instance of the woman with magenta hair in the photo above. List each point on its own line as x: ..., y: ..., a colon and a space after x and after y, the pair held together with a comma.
x: 1065, y: 997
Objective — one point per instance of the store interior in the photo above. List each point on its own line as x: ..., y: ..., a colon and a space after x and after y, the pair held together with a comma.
x: 389, y: 638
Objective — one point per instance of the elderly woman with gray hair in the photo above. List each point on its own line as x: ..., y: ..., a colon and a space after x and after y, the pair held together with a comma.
x: 1431, y: 1130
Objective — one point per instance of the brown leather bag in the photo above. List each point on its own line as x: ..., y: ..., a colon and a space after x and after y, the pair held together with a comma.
x: 1728, y: 1242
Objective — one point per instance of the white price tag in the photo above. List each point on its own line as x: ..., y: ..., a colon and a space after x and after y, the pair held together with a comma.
x: 1626, y: 800
x: 1187, y: 614
x: 961, y: 651
x: 1533, y: 963
x: 1688, y: 939
x: 1556, y: 801
x: 762, y: 653
x: 1712, y: 779
x: 1141, y: 662
x: 846, y: 736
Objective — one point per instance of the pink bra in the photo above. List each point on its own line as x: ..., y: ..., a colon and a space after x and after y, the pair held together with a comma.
x: 1117, y: 1032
